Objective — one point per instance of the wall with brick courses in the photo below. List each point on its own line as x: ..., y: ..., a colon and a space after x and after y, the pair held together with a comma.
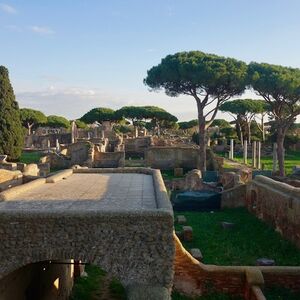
x: 195, y: 278
x: 276, y: 203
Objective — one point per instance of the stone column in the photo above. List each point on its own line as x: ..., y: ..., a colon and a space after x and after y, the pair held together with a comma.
x: 254, y: 154
x: 231, y: 149
x: 245, y: 151
x: 57, y: 146
x: 258, y: 162
x: 73, y: 132
x: 274, y: 157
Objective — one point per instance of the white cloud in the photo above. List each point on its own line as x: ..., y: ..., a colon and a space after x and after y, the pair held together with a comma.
x: 7, y: 8
x: 41, y: 30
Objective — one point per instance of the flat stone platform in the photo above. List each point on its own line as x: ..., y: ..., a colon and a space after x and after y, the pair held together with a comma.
x: 107, y: 191
x: 120, y: 219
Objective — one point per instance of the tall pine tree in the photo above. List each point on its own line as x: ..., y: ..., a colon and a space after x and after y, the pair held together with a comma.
x: 11, y: 131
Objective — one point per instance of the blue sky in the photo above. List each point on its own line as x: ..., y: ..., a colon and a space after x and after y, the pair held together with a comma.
x: 68, y: 56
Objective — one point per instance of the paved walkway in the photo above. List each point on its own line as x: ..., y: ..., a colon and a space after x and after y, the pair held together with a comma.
x: 107, y: 191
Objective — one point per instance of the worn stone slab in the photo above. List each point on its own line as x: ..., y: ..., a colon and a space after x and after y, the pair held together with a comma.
x: 196, y: 253
x: 187, y: 233
x: 88, y: 192
x: 181, y: 219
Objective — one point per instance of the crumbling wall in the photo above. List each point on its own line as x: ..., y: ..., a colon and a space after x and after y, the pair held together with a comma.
x: 137, y: 146
x: 167, y: 158
x: 276, y: 203
x: 108, y: 159
x: 41, y: 141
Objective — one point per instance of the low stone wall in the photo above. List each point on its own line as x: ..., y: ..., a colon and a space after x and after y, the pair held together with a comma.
x: 195, y: 278
x: 109, y: 159
x: 234, y: 197
x: 276, y: 203
x: 167, y: 158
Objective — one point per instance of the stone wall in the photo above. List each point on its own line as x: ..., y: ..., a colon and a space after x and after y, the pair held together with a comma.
x: 41, y: 141
x: 194, y: 278
x: 276, y: 203
x: 167, y: 158
x: 137, y: 146
x: 109, y: 159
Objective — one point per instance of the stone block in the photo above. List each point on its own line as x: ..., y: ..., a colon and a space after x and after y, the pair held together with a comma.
x: 178, y: 172
x: 196, y: 253
x: 8, y: 166
x: 227, y: 225
x: 3, y: 158
x: 265, y: 262
x: 187, y: 233
x: 44, y: 169
x: 21, y: 166
x: 181, y: 219
x: 31, y: 170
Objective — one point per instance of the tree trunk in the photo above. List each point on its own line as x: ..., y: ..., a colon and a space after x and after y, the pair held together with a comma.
x: 240, y: 132
x: 249, y: 132
x: 280, y: 150
x: 202, y: 138
x: 29, y: 128
x: 263, y: 128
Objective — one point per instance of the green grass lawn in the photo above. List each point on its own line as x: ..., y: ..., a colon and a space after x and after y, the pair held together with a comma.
x: 30, y: 157
x: 93, y: 286
x: 281, y: 294
x: 292, y: 158
x: 214, y: 296
x: 249, y: 240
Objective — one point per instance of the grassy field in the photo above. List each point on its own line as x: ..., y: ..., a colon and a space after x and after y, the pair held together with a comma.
x: 30, y: 157
x: 249, y: 240
x: 291, y: 159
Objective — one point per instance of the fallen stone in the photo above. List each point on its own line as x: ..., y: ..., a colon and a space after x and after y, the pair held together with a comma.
x: 196, y: 253
x: 187, y: 233
x: 181, y: 219
x: 227, y: 225
x: 3, y: 158
x: 265, y: 262
x: 31, y: 170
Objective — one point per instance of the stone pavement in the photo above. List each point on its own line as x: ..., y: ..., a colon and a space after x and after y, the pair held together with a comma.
x: 107, y: 191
